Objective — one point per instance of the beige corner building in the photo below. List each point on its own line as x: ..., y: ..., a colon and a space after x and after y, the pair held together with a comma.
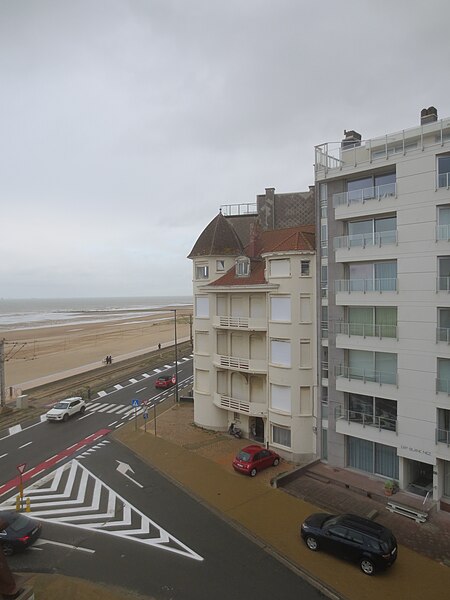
x: 384, y: 221
x: 254, y: 279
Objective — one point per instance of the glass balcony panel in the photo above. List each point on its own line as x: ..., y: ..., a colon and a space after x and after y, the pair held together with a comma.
x: 443, y: 385
x: 443, y: 335
x: 443, y: 436
x: 443, y: 232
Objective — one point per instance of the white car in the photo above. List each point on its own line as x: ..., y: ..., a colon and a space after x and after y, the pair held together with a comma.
x: 66, y: 408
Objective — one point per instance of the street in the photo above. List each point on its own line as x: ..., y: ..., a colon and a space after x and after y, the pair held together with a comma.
x: 109, y: 517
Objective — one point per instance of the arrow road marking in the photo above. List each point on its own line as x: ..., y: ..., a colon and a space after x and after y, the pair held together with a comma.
x: 123, y: 468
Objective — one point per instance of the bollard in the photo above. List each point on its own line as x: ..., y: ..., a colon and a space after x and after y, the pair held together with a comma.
x: 18, y: 502
x: 28, y: 507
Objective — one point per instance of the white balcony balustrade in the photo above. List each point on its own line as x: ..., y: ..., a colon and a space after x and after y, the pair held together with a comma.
x: 248, y: 365
x: 366, y: 240
x: 245, y: 323
x: 255, y: 409
x: 365, y: 286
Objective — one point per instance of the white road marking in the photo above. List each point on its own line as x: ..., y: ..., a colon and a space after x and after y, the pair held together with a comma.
x: 141, y: 390
x: 168, y: 366
x: 15, y: 429
x: 102, y: 393
x: 41, y: 542
x: 24, y: 445
x: 146, y: 375
x: 3, y: 455
x: 114, y: 408
x: 110, y: 425
x: 157, y: 370
x: 132, y: 380
x: 119, y: 425
x: 118, y: 386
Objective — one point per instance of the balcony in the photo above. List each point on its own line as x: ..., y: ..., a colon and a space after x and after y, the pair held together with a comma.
x: 324, y: 329
x: 366, y: 330
x: 367, y: 375
x: 244, y: 323
x: 366, y: 240
x: 443, y: 385
x: 443, y: 335
x: 443, y: 180
x: 252, y: 409
x: 380, y: 422
x: 324, y: 290
x: 443, y: 436
x: 443, y: 284
x: 365, y: 286
x: 377, y: 192
x: 246, y: 365
x: 443, y: 233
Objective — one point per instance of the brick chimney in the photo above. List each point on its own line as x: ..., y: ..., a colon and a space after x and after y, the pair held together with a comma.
x: 428, y: 115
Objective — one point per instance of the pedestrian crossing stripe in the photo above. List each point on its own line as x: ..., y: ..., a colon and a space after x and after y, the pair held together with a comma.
x: 72, y: 495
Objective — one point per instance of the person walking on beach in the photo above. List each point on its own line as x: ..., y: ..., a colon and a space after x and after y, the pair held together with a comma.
x: 159, y: 346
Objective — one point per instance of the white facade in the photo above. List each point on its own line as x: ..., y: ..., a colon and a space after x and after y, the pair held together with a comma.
x: 385, y: 358
x: 254, y: 351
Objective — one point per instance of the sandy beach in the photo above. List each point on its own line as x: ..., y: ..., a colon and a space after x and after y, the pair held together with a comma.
x: 38, y: 352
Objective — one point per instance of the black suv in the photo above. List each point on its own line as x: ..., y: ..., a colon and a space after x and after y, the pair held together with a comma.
x: 357, y: 539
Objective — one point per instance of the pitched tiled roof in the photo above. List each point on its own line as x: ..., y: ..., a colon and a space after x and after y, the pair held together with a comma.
x: 218, y: 239
x: 276, y: 240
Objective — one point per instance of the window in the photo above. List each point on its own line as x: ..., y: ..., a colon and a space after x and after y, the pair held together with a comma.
x: 368, y: 321
x: 281, y: 436
x: 220, y: 266
x: 366, y: 188
x: 379, y: 412
x: 202, y: 307
x: 280, y: 308
x: 444, y: 273
x: 280, y: 352
x: 371, y: 277
x: 443, y: 423
x: 372, y: 458
x: 305, y: 308
x: 372, y: 232
x: 201, y: 272
x: 305, y: 354
x: 304, y: 268
x: 280, y: 268
x: 372, y: 366
x: 443, y: 375
x: 280, y: 397
x: 242, y: 267
x: 443, y: 170
x: 443, y: 332
x: 443, y: 228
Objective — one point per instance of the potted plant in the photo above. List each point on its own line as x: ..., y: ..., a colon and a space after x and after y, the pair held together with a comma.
x: 389, y: 487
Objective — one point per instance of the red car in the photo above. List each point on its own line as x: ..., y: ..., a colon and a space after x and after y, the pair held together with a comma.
x: 165, y: 381
x: 254, y: 458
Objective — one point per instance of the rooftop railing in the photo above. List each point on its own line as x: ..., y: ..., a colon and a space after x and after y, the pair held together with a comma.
x: 232, y: 210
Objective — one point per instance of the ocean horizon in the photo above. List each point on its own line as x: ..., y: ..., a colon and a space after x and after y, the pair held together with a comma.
x: 31, y: 313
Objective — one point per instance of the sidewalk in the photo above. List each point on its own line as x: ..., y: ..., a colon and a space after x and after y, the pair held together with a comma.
x: 200, y: 462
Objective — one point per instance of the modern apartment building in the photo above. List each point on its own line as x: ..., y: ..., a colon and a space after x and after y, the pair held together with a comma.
x: 254, y: 278
x: 384, y: 360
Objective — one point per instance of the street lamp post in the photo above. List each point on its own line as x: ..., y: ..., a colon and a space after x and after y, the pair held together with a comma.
x: 176, y: 355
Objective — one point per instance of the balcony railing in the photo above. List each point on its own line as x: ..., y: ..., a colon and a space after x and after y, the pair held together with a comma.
x: 324, y: 411
x: 443, y: 385
x: 324, y: 290
x: 241, y: 364
x: 443, y: 436
x: 366, y: 375
x: 240, y: 322
x: 240, y: 406
x: 377, y: 192
x: 324, y: 329
x: 324, y: 370
x: 366, y: 419
x: 443, y: 284
x: 366, y: 330
x: 443, y: 180
x: 364, y: 240
x: 366, y: 285
x: 443, y: 335
x: 443, y: 232
x: 229, y: 210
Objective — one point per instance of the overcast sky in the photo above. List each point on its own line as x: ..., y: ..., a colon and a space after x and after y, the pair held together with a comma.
x: 125, y: 124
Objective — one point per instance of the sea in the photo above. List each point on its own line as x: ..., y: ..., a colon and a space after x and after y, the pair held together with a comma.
x: 34, y: 313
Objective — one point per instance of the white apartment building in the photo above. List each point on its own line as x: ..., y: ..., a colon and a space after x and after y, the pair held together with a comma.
x: 254, y: 333
x: 384, y: 358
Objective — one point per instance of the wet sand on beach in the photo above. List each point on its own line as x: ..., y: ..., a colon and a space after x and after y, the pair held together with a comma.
x: 38, y: 352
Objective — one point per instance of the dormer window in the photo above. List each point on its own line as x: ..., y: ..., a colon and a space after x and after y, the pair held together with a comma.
x: 242, y: 266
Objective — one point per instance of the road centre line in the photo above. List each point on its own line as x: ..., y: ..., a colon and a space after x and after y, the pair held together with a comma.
x: 141, y: 390
x: 41, y: 541
x: 3, y: 455
x: 24, y: 445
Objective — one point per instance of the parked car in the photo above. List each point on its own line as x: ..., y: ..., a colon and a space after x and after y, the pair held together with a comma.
x: 165, y: 381
x: 354, y: 538
x: 66, y: 408
x: 17, y: 531
x: 254, y: 458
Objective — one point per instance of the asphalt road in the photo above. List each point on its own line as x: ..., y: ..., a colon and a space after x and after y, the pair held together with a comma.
x: 109, y: 517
